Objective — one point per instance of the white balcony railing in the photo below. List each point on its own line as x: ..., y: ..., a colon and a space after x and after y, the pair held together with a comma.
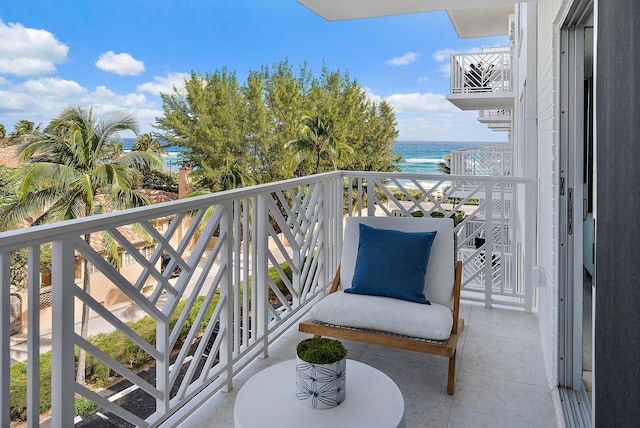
x: 491, y: 160
x: 502, y: 116
x: 224, y: 309
x: 488, y: 71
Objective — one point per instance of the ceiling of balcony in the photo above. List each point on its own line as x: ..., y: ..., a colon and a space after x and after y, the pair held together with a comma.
x: 350, y: 9
x: 481, y: 21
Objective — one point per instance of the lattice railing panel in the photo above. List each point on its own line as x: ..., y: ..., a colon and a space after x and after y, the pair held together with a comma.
x: 470, y: 202
x: 492, y: 160
x: 482, y: 72
x: 211, y: 281
x: 297, y: 232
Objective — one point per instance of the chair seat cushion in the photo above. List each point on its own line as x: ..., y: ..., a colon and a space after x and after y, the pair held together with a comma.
x: 432, y: 322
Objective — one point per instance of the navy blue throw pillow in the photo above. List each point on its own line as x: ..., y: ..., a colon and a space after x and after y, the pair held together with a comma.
x: 392, y: 263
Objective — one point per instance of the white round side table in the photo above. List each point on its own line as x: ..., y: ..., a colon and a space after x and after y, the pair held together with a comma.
x: 268, y: 399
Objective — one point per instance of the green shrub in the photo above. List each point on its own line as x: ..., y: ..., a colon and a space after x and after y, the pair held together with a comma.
x: 18, y: 388
x: 114, y: 344
x: 83, y: 406
x: 277, y: 279
x: 402, y: 196
x: 458, y: 216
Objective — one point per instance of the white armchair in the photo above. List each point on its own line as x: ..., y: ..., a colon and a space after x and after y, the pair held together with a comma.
x: 379, y: 319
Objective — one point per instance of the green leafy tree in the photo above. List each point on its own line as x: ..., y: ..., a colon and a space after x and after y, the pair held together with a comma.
x: 317, y: 142
x: 67, y: 168
x: 222, y: 123
x: 19, y: 266
x: 160, y: 180
x: 3, y: 132
x: 266, y: 154
x: 373, y: 146
x: 207, y: 121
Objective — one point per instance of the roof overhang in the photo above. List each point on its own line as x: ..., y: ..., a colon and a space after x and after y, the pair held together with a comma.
x: 350, y: 9
x: 481, y: 21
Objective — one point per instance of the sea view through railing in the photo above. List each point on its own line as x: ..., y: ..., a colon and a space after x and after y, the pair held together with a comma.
x: 420, y: 157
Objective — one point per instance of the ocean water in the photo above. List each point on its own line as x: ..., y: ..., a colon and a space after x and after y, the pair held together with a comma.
x: 423, y: 157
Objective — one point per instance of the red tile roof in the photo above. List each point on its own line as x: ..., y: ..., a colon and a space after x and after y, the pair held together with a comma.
x: 9, y: 156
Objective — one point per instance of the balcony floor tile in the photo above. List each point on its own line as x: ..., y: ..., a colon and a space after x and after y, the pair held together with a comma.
x: 500, y: 376
x: 486, y: 402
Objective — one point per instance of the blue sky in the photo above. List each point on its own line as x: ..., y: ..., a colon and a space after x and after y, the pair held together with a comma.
x: 120, y: 54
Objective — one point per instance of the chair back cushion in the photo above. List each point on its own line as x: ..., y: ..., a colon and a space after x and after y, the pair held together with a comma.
x: 440, y: 269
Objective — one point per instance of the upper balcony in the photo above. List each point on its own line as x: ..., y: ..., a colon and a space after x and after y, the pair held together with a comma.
x: 482, y: 81
x: 500, y: 127
x: 243, y: 267
x: 501, y: 116
x: 491, y: 160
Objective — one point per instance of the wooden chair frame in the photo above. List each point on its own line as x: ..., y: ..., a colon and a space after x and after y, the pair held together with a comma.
x: 446, y: 348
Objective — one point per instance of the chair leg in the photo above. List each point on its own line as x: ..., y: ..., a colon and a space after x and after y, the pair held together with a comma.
x: 452, y: 373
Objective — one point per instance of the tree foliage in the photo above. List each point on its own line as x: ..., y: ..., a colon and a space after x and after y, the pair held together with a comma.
x: 75, y: 169
x: 73, y: 162
x: 318, y: 142
x: 239, y: 129
x: 24, y: 130
x: 445, y: 166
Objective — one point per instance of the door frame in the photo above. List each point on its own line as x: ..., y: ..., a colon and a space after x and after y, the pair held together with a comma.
x: 571, y: 170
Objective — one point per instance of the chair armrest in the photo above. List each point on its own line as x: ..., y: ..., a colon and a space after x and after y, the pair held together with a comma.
x: 457, y: 285
x: 336, y: 282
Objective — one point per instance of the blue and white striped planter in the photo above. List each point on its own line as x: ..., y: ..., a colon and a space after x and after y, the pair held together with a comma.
x: 321, y: 386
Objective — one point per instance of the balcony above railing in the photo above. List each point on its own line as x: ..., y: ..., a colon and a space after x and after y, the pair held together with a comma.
x: 482, y: 81
x: 500, y: 116
x: 232, y: 296
x: 492, y: 160
x: 500, y: 127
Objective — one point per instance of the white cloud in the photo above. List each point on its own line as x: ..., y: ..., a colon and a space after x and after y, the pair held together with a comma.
x: 423, y: 79
x: 430, y: 117
x: 54, y: 87
x: 40, y: 100
x: 405, y: 59
x: 373, y: 97
x: 29, y: 52
x: 420, y: 102
x: 164, y: 84
x: 122, y: 64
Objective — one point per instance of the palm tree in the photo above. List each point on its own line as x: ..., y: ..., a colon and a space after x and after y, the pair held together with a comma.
x: 66, y: 168
x: 231, y: 176
x: 147, y: 143
x: 317, y: 141
x: 3, y: 132
x: 445, y: 166
x: 24, y: 129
